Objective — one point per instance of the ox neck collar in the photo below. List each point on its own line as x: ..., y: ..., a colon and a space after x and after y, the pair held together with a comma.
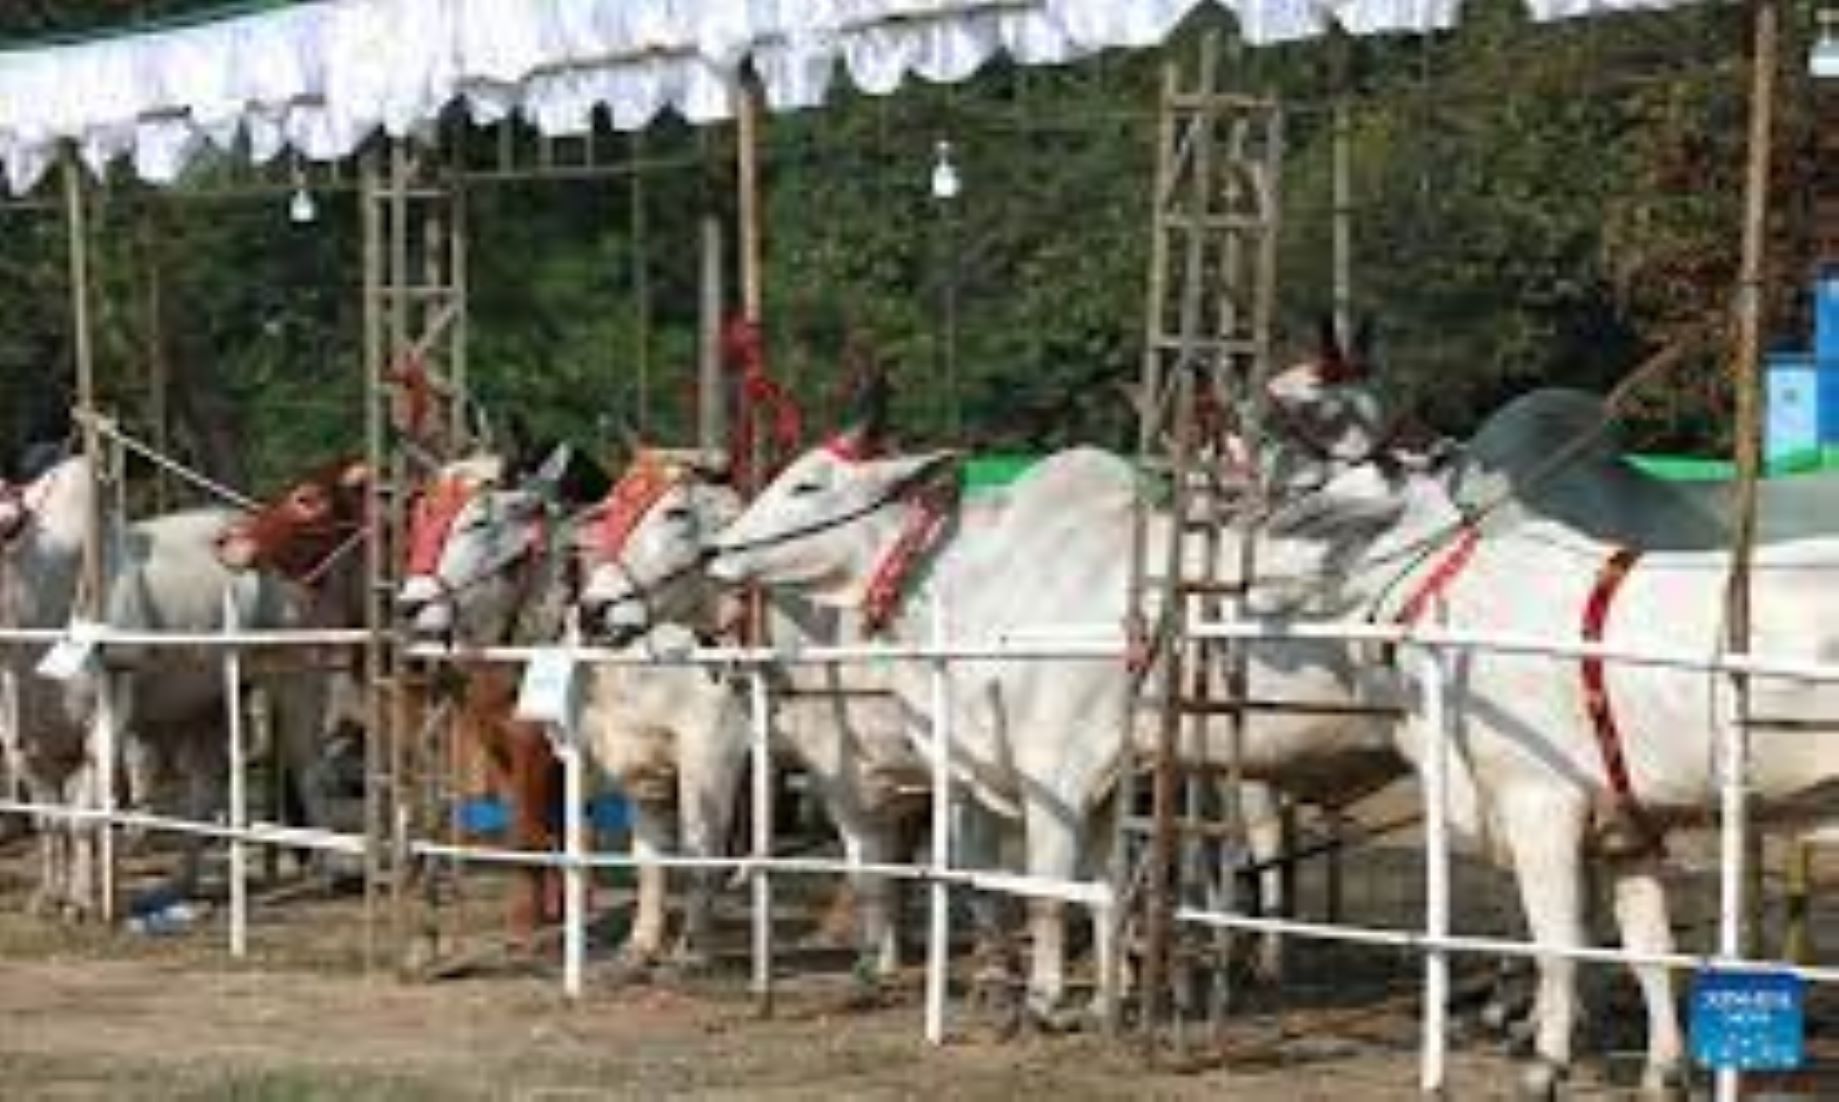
x: 931, y: 513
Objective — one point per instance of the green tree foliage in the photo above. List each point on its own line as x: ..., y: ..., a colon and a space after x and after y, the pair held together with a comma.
x: 1535, y: 205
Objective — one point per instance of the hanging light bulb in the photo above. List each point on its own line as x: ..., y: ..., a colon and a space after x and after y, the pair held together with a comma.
x: 301, y: 209
x: 1824, y: 61
x: 945, y: 181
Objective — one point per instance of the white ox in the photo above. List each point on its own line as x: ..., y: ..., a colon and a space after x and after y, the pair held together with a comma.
x: 674, y: 738
x: 1039, y: 742
x: 164, y: 577
x: 843, y: 725
x: 1528, y: 777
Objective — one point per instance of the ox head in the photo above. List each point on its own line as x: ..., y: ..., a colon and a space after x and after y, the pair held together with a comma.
x: 52, y: 495
x: 303, y: 531
x: 642, y: 550
x: 826, y: 521
x: 1324, y: 413
x: 478, y: 545
x: 1350, y: 541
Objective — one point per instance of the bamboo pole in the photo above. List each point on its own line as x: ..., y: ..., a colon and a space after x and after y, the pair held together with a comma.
x: 1747, y: 381
x: 747, y: 180
x: 376, y: 565
x: 91, y: 605
x: 711, y: 400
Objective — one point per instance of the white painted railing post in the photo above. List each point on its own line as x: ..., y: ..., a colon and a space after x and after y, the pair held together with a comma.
x: 1434, y: 684
x: 105, y: 748
x: 1733, y: 773
x: 575, y: 872
x: 762, y: 840
x: 239, y: 782
x: 938, y: 945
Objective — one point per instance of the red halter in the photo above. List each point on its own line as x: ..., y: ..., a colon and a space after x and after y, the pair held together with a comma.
x: 433, y: 521
x: 630, y: 501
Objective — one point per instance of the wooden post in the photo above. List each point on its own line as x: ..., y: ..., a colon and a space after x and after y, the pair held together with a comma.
x: 639, y: 227
x: 1343, y: 199
x: 377, y: 656
x: 1747, y: 380
x: 711, y: 396
x: 92, y: 604
x: 747, y: 180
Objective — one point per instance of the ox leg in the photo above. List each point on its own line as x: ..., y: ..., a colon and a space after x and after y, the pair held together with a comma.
x: 1053, y: 854
x: 1265, y: 837
x: 867, y: 839
x: 878, y: 941
x: 1545, y: 832
x: 54, y: 834
x: 80, y: 892
x: 653, y: 836
x: 202, y: 762
x: 1641, y: 916
x: 707, y: 785
x: 979, y: 839
x: 297, y: 705
x: 534, y: 789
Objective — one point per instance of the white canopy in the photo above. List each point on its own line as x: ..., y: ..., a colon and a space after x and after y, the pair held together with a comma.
x: 320, y: 77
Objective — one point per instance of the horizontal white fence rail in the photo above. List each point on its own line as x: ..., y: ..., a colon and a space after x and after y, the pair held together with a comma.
x: 1429, y: 645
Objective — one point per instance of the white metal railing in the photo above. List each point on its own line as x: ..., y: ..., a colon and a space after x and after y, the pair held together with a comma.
x: 1428, y: 646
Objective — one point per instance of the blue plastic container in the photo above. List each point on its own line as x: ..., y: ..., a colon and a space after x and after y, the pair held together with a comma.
x: 1826, y: 317
x: 483, y: 815
x: 1793, y: 418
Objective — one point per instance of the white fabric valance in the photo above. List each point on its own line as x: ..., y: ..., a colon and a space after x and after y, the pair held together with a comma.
x: 318, y: 78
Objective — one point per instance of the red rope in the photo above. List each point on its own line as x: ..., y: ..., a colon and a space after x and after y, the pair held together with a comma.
x: 410, y: 377
x: 1597, y: 705
x: 768, y: 424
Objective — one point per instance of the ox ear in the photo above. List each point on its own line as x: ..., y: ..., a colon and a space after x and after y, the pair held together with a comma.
x: 478, y: 423
x: 615, y: 427
x: 911, y: 469
x: 1355, y: 506
x: 520, y: 447
x: 355, y: 475
x: 865, y: 432
x: 548, y: 476
x: 1328, y: 339
x: 1360, y: 353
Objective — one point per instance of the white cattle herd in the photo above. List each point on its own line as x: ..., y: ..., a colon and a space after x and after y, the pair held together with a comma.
x: 1554, y: 763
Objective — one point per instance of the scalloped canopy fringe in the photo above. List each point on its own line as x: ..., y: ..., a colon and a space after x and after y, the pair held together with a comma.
x: 319, y: 78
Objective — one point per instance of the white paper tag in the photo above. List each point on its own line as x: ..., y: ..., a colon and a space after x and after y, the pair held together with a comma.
x: 73, y: 654
x: 547, y: 694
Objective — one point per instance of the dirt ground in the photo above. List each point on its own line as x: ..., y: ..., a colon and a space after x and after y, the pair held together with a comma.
x: 96, y: 1013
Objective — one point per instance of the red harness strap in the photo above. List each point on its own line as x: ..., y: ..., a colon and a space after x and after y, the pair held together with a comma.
x: 925, y: 523
x: 1609, y: 580
x: 1438, y: 581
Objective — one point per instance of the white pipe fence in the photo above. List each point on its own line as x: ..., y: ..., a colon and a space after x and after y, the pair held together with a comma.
x: 1429, y: 646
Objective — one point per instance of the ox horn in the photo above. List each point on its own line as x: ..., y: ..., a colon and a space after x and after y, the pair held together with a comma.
x: 868, y: 421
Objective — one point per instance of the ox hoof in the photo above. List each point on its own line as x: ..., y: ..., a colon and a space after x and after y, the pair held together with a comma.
x: 1622, y: 834
x: 1054, y: 1016
x: 1540, y: 1081
x: 992, y: 1000
x: 44, y: 904
x: 1520, y: 1038
x: 632, y: 966
x: 1665, y: 1083
x: 686, y: 964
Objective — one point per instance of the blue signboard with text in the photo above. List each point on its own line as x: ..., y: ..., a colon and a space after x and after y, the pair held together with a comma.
x: 1750, y: 1021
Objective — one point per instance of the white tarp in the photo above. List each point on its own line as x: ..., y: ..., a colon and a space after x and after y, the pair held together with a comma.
x: 320, y: 77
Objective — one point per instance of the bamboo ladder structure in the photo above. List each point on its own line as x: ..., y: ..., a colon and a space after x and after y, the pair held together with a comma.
x: 1211, y: 293
x: 414, y: 316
